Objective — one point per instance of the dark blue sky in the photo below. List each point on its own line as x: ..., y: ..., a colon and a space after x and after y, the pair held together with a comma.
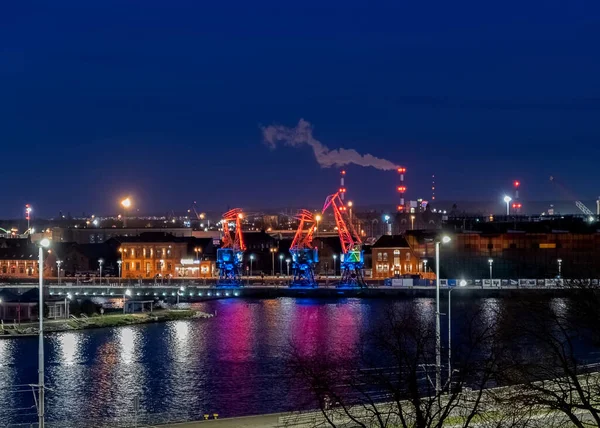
x: 163, y: 100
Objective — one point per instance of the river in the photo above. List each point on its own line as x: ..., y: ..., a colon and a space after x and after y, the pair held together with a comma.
x: 233, y: 364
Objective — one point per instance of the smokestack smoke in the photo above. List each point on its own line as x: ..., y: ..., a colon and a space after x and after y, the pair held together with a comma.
x: 302, y: 134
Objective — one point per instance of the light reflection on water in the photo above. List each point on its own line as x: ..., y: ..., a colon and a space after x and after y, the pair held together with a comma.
x: 233, y: 364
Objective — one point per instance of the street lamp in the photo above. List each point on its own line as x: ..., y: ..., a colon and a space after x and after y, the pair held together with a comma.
x: 438, y: 339
x: 273, y: 251
x: 44, y: 243
x: 198, y: 250
x: 462, y: 283
x: 182, y: 288
x: 251, y: 260
x: 119, y: 263
x: 559, y: 261
x: 67, y: 298
x: 412, y: 222
x: 100, y: 263
x: 126, y: 203
x: 334, y: 264
x: 281, y: 264
x: 127, y: 293
x: 386, y: 218
x: 58, y: 263
x: 491, y: 262
x: 288, y: 266
x: 425, y: 265
x: 318, y: 219
x: 507, y: 199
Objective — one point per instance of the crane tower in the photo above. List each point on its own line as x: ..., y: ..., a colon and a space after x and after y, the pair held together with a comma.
x: 304, y: 256
x: 352, y: 259
x: 230, y: 256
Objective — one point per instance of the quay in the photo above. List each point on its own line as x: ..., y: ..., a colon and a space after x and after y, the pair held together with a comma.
x: 194, y: 292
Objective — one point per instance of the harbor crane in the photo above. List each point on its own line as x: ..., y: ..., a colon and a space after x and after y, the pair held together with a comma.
x: 304, y: 256
x: 580, y: 205
x: 230, y: 256
x: 352, y: 258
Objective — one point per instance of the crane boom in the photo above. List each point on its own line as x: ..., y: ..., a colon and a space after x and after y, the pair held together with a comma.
x: 303, y: 255
x: 352, y: 259
x: 230, y: 256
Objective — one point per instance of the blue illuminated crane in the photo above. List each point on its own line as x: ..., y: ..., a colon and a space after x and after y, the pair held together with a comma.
x: 230, y: 256
x: 304, y: 256
x: 352, y: 259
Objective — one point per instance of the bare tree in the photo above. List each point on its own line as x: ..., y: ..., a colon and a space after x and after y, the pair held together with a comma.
x: 547, y: 356
x: 389, y: 381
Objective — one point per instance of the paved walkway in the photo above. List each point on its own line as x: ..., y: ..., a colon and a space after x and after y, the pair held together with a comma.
x: 260, y: 421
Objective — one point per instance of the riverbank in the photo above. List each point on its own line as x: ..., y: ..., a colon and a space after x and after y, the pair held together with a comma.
x: 100, y: 321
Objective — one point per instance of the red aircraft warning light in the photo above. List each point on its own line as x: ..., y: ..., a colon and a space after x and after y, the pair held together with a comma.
x: 517, y: 183
x: 401, y: 170
x: 401, y: 189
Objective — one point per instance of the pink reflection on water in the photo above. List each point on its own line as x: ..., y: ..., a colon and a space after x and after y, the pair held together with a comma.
x: 332, y: 328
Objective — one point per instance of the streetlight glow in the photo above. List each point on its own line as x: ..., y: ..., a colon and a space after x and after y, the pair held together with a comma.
x: 446, y: 239
x: 45, y: 243
x: 126, y: 202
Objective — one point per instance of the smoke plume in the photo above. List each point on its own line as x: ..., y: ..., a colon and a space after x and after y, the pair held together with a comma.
x: 302, y: 135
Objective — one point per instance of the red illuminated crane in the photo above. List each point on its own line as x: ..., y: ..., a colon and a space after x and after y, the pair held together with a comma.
x: 352, y: 260
x: 303, y: 255
x: 230, y: 257
x: 237, y: 243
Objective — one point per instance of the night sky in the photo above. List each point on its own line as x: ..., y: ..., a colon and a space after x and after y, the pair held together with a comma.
x: 165, y: 100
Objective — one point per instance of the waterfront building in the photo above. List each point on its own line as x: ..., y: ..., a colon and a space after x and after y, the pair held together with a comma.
x: 391, y: 256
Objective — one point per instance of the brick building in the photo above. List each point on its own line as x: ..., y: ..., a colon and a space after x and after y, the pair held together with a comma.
x: 156, y: 254
x: 391, y: 256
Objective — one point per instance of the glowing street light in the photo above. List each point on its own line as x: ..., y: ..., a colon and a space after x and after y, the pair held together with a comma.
x: 559, y: 261
x: 58, y: 263
x: 318, y: 219
x: 44, y: 243
x: 412, y: 222
x: 281, y: 264
x: 334, y: 264
x: 438, y: 337
x: 100, y: 263
x: 491, y: 262
x: 288, y: 266
x: 126, y: 203
x: 507, y: 199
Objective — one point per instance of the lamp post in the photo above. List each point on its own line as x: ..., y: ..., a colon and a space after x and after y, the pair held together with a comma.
x: 127, y: 293
x: 507, y: 199
x: 281, y: 265
x: 126, y: 203
x: 491, y: 262
x: 251, y: 261
x: 438, y: 339
x: 288, y: 266
x: 273, y: 251
x: 58, y: 263
x: 318, y: 219
x: 180, y: 289
x: 44, y: 243
x: 100, y: 263
x: 387, y: 224
x: 462, y: 283
x: 67, y: 298
x: 198, y: 250
x: 119, y: 263
x: 559, y: 261
x: 425, y: 265
x: 162, y: 276
x: 412, y: 222
x: 334, y: 265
